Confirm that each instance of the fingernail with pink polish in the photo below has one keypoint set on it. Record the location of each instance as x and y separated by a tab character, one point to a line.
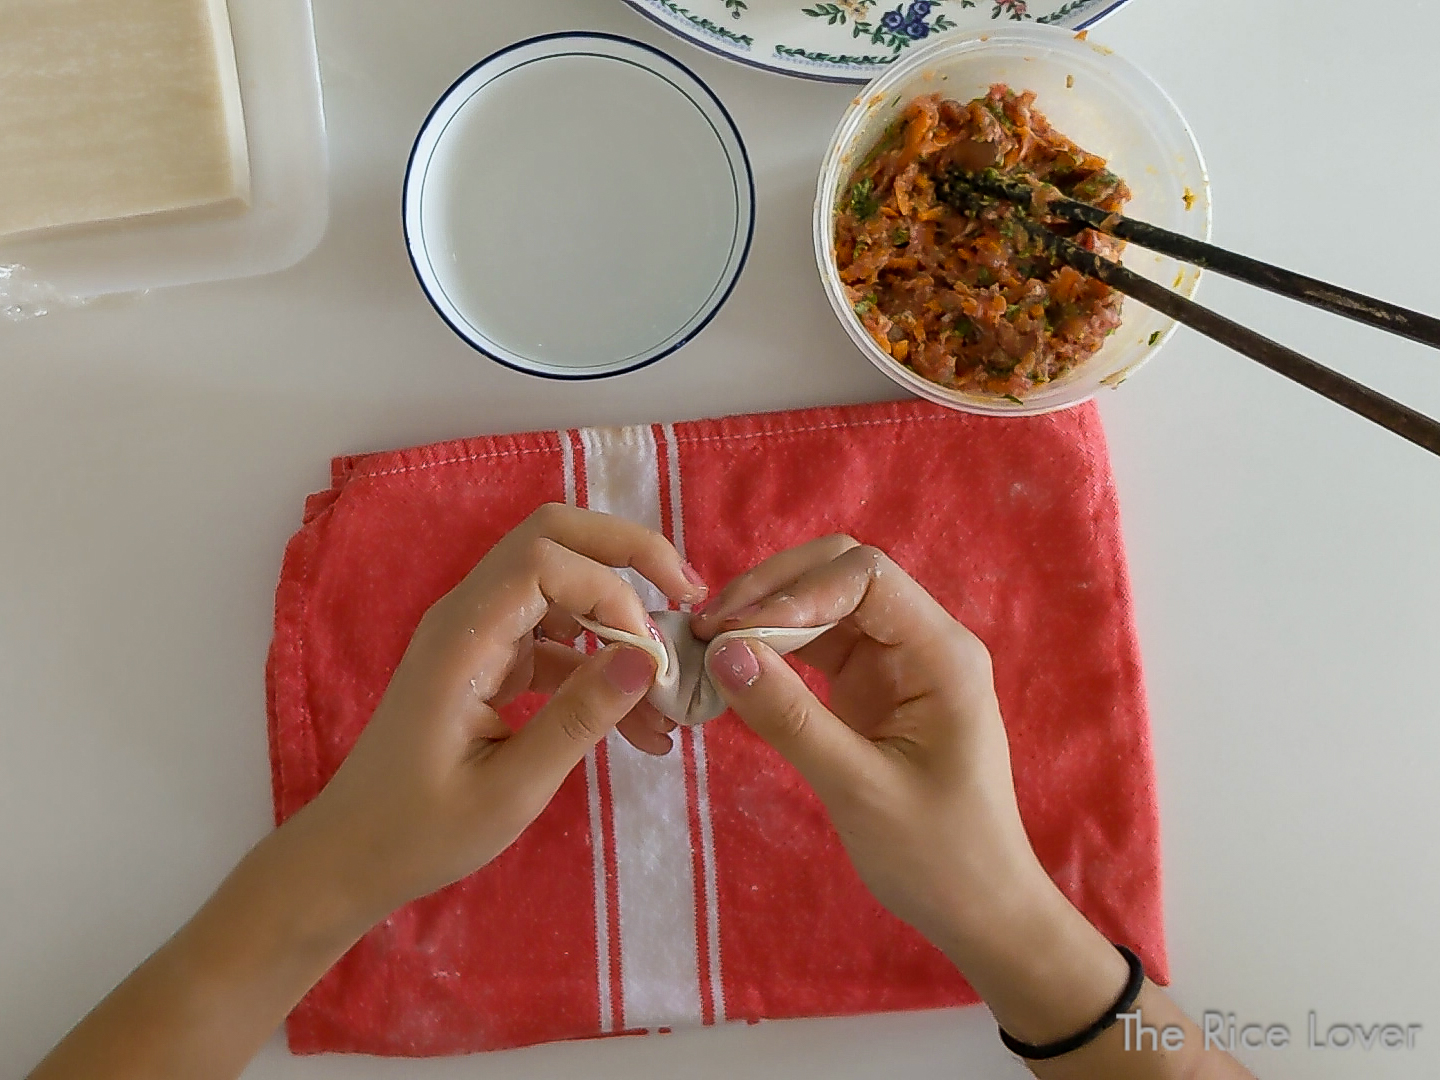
630	670
693	576
735	666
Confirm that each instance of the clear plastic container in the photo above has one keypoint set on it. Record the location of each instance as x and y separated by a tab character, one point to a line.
289	176
1102	102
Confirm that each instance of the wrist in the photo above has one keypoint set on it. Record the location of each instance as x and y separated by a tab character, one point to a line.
1016	897
319	909
1040	966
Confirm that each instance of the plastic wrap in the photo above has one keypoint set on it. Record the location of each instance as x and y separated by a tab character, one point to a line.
24	296
46	272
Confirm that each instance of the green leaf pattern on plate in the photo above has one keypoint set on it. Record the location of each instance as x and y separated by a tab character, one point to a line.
701	22
1063	10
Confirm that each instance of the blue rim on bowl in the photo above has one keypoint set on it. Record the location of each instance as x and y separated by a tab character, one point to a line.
636	249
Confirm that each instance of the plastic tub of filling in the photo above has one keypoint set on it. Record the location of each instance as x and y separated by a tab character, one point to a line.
1096	98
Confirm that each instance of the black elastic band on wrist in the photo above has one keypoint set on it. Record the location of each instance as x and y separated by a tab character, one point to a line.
1090	1034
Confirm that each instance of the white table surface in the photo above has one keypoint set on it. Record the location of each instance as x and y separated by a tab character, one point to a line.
1284	553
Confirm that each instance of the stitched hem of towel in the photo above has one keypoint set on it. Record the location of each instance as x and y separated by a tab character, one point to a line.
350	468
285	674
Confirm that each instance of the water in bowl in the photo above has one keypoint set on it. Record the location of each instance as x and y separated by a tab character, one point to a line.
546	229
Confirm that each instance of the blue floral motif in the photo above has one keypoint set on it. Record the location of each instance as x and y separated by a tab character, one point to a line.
896	29
912	23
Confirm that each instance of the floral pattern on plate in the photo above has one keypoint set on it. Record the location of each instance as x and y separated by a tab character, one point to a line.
845	40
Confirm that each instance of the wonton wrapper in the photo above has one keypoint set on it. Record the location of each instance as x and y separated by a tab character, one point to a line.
683	690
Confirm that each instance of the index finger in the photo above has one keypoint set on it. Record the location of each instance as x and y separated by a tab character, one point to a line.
770	576
560	558
865	591
557	551
616	542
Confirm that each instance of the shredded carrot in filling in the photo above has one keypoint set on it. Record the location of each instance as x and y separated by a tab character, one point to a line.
960	297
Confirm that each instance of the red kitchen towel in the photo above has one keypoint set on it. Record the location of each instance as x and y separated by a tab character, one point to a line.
708	886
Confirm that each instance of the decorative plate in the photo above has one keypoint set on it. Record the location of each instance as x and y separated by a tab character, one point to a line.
846	40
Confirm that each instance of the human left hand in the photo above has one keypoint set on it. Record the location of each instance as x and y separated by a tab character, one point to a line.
438	784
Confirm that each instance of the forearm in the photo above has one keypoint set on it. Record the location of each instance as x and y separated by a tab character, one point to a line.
1046	974
206	1001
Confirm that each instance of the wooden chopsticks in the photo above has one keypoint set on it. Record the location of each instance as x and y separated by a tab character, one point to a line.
1352	305
973	191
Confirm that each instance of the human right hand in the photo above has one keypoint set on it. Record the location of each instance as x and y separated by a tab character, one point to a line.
912	763
911	758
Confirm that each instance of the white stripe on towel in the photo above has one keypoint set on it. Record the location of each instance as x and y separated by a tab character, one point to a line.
658	962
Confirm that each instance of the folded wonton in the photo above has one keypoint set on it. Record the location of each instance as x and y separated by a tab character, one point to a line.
683	690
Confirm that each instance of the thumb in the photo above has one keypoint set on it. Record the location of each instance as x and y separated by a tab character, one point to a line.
589	703
775	703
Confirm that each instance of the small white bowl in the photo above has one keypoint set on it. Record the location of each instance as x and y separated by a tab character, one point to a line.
1107	106
578	205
